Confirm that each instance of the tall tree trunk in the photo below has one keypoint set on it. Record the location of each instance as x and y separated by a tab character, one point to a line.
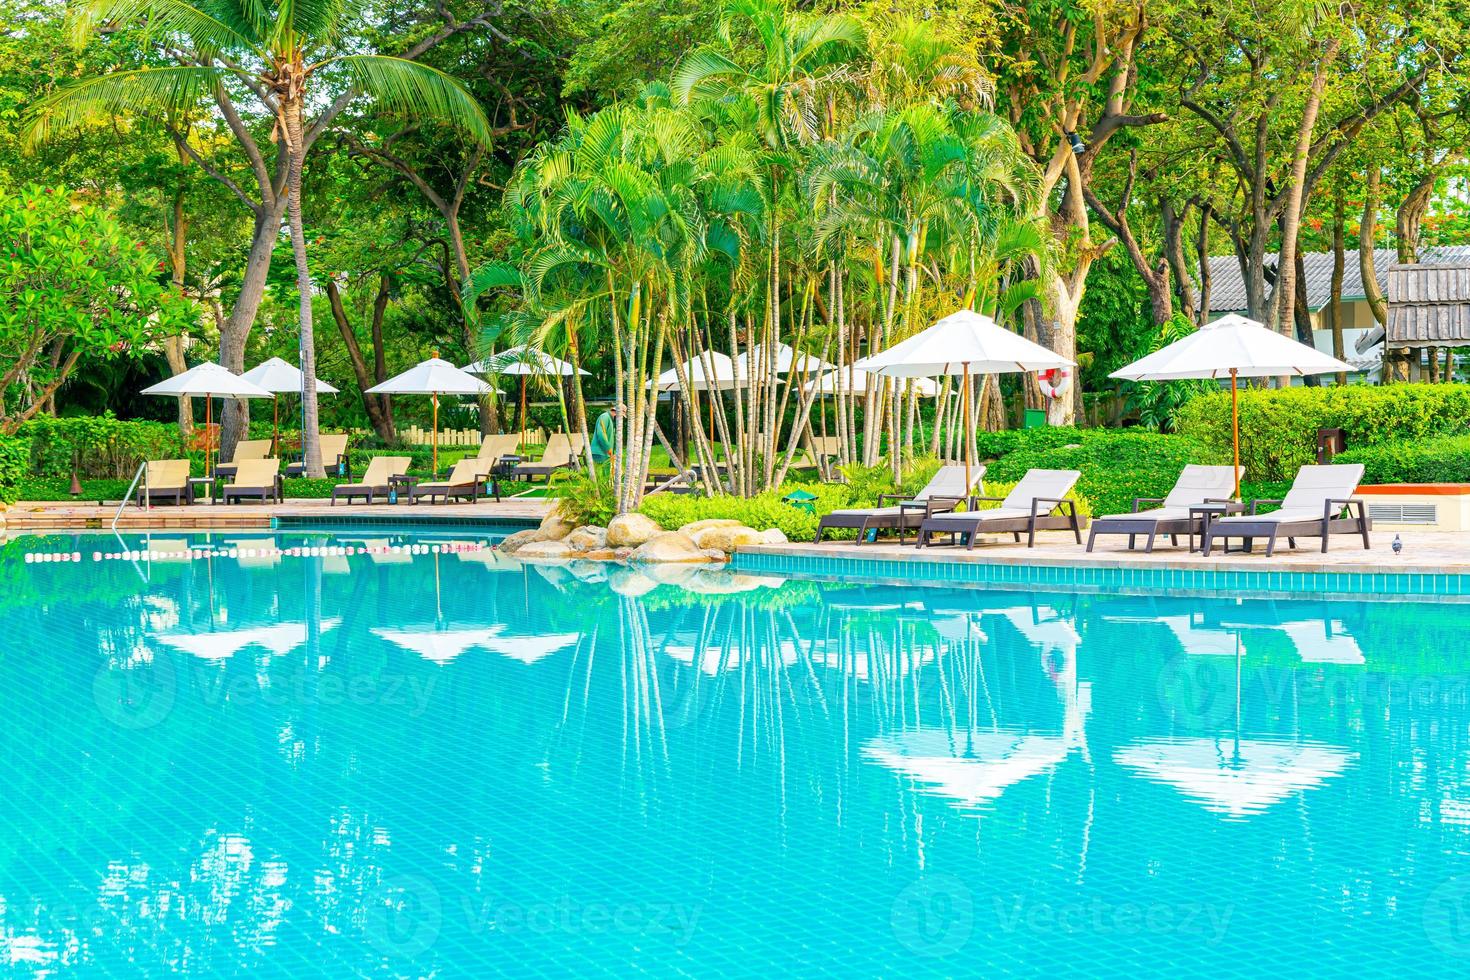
310	434
1303	314
1202	257
1286	265
236	330
1410	215
1372	292
173	347
381	423
1173	226
1339	264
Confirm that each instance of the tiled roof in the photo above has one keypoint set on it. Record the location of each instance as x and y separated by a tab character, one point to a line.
1429	305
1227	289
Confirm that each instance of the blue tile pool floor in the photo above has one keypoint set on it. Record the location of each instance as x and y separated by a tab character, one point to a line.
443	763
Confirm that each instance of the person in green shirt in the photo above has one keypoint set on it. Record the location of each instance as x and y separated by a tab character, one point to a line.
604	434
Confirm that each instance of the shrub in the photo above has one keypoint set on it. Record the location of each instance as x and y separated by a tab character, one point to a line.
763	511
303	488
59	488
15	461
1116	466
1278	427
98	446
584	500
1443	460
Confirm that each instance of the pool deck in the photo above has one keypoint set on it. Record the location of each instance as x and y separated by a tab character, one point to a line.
45	516
1424	553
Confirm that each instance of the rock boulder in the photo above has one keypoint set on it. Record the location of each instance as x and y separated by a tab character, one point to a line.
588	538
631	530
669	546
725	538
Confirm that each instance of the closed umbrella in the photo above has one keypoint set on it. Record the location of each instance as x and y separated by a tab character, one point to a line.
524	361
963	343
208	381
433	377
1235	347
278	376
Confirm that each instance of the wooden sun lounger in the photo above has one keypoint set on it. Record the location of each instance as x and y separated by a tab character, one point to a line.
1196	486
944	492
255	479
376	482
1029	507
464	481
1319	504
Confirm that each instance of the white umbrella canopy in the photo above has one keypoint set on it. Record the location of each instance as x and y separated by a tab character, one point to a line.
1231	347
207	381
965	342
787	358
706	371
278	376
524	360
433	377
856	381
282	377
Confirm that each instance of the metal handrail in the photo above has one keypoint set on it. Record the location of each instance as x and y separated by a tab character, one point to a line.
142	474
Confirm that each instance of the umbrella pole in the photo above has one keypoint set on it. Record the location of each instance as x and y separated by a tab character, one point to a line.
1235	428
208	431
276	425
523	410
434	437
965	424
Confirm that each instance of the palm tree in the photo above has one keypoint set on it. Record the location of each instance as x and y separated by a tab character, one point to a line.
283	56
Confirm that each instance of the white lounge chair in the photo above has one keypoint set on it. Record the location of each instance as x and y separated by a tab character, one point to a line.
1196	486
376	481
945	490
1319	504
1028	507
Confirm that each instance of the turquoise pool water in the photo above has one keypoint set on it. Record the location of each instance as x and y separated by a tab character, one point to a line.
422	763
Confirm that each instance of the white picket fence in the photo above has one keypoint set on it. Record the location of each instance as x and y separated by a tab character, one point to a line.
417	436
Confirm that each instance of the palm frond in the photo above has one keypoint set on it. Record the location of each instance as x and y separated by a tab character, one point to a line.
147	93
205	32
417	91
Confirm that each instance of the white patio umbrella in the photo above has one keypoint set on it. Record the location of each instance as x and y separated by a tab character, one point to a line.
440	646
525	361
433	377
280	377
963	343
1234	347
788	359
707	371
208	381
856	381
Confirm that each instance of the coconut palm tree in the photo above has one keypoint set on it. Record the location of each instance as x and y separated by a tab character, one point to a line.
268	60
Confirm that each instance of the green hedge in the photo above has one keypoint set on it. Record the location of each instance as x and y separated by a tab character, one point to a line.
100	446
1442	460
15	462
766	510
1116	466
1278	427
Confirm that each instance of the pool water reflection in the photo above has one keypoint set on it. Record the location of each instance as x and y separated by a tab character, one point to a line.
449	763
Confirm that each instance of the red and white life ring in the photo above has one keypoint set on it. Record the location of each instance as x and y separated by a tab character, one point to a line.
1055	382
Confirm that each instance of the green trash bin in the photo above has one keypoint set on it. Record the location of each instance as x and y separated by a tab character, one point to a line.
1034	418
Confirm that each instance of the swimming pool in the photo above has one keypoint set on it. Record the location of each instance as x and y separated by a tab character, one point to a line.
436	761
